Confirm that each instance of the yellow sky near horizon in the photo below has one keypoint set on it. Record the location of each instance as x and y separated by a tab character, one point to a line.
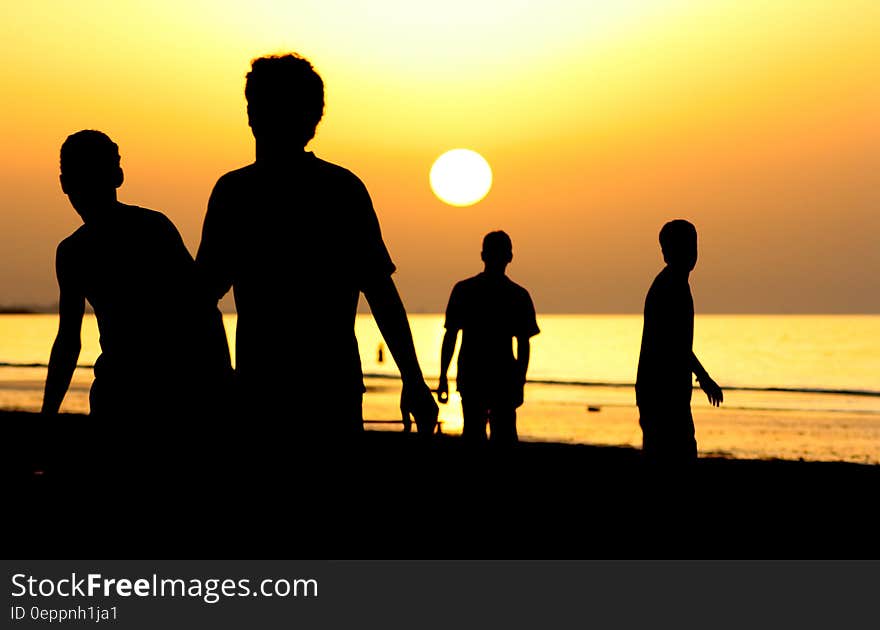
757	120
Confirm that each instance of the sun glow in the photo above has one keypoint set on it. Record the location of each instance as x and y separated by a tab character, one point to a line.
461	177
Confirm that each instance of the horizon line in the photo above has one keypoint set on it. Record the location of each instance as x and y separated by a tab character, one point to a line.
26	309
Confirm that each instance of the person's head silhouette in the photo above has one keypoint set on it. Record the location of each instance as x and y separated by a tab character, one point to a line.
497	251
90	171
678	241
285	100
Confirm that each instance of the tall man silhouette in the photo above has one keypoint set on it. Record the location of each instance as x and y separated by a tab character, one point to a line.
163	351
297	240
491	311
667	360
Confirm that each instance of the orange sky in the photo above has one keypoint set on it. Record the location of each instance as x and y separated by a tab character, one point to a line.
756	120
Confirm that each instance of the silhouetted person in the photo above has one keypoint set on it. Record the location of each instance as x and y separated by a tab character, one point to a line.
163	351
491	311
297	240
666	362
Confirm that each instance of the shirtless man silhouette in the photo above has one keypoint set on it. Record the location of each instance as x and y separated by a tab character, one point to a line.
163	351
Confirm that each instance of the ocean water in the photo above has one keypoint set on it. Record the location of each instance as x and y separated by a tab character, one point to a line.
796	386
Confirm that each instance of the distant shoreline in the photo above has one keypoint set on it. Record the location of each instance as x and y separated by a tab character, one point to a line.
14	309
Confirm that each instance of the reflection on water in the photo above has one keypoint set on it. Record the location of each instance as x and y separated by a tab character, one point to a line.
730	431
760	352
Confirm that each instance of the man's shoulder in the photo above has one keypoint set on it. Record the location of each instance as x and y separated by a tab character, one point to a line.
147	217
480	280
465	292
337	174
331	168
468	283
668	280
144	213
518	290
315	168
668	291
74	243
236	177
661	283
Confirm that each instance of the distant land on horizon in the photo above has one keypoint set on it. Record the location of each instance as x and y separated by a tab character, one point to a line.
52	309
19	309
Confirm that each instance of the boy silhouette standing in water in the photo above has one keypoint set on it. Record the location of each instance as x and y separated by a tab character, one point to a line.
491	311
667	360
297	240
163	351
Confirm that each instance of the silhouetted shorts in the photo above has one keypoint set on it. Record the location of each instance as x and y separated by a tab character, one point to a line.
113	399
500	416
155	396
308	416
668	434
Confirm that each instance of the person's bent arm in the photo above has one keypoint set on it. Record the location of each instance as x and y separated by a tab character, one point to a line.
712	389
65	350
447	349
390	316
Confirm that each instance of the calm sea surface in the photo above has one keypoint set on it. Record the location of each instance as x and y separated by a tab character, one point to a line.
795	386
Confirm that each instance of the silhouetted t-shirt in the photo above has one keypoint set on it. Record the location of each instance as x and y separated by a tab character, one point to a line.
161	341
297	242
666	357
490	311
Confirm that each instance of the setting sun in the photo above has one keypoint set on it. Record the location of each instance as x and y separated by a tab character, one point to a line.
461	177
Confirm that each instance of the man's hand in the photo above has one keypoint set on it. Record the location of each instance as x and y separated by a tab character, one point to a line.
418	401
443	390
713	391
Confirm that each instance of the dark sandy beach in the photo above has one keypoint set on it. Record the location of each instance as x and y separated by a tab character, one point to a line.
109	493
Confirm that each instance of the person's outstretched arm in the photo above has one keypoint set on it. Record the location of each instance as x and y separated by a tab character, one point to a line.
65	350
713	391
390	315
447	349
